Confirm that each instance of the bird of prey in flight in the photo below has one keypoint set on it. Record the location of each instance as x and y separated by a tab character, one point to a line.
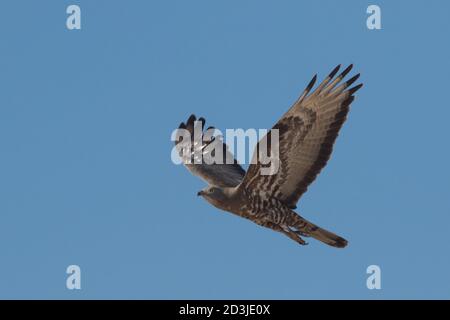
307	132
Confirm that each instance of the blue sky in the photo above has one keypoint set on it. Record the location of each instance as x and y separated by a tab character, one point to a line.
85	170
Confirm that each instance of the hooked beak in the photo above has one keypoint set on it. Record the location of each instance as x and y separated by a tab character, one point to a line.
200	193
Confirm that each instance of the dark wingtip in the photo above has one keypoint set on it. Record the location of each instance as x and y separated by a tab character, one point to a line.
351	80
201	122
346	71
182	126
191	119
311	83
355	88
335	70
190	122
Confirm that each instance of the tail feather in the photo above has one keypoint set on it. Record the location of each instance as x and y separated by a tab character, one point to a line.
329	238
308	229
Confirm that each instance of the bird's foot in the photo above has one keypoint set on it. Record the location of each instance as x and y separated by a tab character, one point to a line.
296	237
302	242
301	233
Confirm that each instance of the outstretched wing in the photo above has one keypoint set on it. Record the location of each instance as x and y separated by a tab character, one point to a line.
203	144
307	133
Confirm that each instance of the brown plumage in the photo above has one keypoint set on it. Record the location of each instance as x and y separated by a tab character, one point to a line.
307	132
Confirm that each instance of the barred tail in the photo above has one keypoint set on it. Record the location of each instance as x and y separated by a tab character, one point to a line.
308	229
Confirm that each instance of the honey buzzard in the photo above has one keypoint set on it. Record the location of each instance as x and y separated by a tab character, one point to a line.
307	132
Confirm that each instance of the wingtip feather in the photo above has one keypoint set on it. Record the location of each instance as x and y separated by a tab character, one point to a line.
355	88
334	71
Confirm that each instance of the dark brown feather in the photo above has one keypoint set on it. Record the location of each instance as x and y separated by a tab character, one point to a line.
307	134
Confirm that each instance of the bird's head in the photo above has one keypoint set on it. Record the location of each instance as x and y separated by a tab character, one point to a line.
215	195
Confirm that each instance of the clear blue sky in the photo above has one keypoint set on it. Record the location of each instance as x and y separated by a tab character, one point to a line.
85	170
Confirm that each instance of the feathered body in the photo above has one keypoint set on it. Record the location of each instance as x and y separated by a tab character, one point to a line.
307	133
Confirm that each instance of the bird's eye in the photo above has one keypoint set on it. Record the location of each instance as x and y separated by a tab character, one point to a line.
211	190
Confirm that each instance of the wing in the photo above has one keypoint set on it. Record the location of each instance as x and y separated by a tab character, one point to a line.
307	133
202	144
